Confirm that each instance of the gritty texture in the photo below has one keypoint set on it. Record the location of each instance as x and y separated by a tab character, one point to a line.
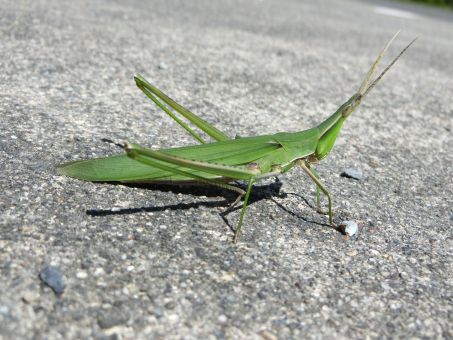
147	262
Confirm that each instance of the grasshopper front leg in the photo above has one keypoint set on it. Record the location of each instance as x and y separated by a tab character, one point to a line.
306	167
318	191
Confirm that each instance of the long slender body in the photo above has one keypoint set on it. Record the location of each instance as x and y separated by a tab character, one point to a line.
280	149
225	160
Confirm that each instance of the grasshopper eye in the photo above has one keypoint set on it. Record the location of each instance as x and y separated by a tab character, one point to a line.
348	109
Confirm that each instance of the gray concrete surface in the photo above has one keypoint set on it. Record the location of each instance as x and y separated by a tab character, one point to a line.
161	264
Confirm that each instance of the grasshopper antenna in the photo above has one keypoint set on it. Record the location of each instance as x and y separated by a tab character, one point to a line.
388	67
370	73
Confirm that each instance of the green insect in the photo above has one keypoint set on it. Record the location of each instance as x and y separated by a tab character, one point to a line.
225	160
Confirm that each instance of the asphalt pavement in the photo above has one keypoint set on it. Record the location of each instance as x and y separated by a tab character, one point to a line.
102	261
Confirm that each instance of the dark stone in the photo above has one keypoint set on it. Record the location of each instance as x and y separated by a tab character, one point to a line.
170	305
53	278
352	173
201	253
112	317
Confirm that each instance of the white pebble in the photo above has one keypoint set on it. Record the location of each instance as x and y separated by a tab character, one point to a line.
173	318
350	227
162	66
98	271
82	275
222	318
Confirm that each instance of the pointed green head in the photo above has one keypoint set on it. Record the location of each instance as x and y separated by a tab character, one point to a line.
330	128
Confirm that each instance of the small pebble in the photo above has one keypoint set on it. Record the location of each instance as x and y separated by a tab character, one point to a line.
173	318
158	312
222	318
352	253
110	318
162	66
266	335
352	173
4	310
98	271
81	275
349	227
30	296
51	276
170	305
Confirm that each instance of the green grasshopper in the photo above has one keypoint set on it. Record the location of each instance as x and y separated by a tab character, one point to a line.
225	160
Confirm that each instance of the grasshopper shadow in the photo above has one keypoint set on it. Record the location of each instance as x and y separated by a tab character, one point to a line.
260	192
259	196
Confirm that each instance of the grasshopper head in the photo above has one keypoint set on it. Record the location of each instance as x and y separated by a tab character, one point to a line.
350	106
330	128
